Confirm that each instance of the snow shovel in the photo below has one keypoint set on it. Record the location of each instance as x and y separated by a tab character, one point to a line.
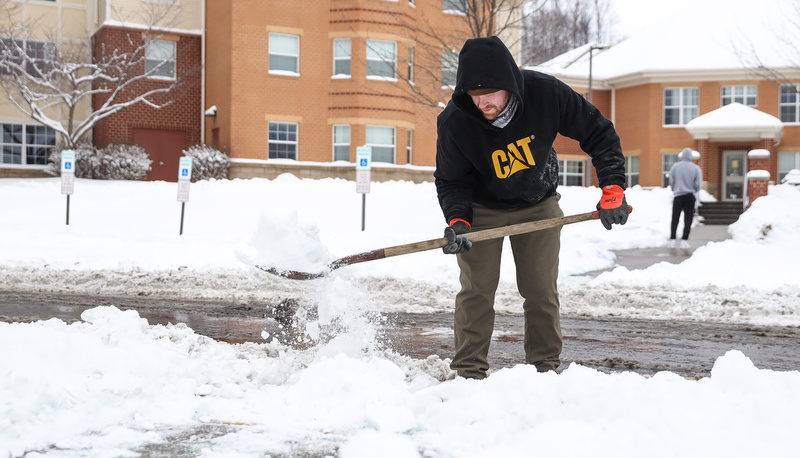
477	236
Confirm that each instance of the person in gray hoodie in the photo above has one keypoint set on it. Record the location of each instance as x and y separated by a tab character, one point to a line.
685	179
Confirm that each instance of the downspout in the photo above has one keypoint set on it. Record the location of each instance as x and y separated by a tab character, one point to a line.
614	105
203	73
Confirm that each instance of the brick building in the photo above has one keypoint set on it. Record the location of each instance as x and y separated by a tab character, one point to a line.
286	86
115	25
311	81
698	88
163	132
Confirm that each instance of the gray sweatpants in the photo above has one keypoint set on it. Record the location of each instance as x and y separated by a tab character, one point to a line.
536	260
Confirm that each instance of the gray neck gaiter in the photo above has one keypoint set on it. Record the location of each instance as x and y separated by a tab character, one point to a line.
508	112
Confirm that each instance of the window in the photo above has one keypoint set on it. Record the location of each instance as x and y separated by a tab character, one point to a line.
410	64
282	140
39	54
9	54
449	68
631	171
680	105
570	172
746	95
786	162
32	148
341	142
381	139
454	6
789	106
667	161
284	53
341	57
381	59
160	58
409	146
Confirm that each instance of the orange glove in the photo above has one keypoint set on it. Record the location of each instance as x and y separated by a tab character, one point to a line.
612	206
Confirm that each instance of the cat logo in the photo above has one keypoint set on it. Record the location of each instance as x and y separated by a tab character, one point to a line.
507	163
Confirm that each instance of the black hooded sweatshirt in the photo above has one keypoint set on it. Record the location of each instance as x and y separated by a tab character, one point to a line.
514	166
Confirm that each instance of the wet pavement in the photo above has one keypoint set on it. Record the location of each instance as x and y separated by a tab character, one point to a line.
606	344
641	258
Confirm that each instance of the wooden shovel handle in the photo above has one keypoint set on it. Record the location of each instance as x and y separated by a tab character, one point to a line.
477	236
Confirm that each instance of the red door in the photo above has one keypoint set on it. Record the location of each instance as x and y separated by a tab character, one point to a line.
165	148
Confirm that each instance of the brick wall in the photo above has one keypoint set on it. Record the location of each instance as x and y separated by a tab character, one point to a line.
248	96
185	112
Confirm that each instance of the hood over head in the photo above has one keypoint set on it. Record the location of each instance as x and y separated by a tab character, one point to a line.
485	63
686	154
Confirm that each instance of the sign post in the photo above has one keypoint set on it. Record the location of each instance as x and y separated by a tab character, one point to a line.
184	179
67	175
363	167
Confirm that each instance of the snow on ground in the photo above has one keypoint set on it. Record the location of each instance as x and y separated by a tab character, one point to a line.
112	383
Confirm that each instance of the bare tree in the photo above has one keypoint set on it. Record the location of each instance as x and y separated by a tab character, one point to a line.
54	81
436	46
786	37
562	25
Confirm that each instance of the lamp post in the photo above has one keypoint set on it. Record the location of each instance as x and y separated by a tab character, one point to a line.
591	51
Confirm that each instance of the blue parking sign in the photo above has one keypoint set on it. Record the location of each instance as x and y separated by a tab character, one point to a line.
67	161
363	158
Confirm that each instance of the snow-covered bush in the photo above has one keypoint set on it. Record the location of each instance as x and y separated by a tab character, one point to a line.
208	162
123	162
87	161
114	162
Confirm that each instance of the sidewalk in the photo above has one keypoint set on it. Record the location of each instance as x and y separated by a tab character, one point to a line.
641	258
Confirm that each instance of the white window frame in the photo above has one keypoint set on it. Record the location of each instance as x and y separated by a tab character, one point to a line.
409	146
746	94
686	111
340	54
453	6
449	69
787	161
564	172
631	175
667	161
27	144
373	142
410	73
337	140
274	39
789	103
378	56
279	141
160	59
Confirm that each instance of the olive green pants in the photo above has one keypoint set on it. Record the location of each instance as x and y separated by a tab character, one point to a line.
536	260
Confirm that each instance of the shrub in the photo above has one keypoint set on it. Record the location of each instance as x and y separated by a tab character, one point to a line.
87	161
123	162
208	162
114	162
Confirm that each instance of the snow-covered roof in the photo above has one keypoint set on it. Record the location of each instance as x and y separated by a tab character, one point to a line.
736	122
712	39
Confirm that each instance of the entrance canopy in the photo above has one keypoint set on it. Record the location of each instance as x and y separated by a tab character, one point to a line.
736	122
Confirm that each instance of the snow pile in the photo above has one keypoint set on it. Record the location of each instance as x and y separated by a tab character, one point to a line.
114	386
123	239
